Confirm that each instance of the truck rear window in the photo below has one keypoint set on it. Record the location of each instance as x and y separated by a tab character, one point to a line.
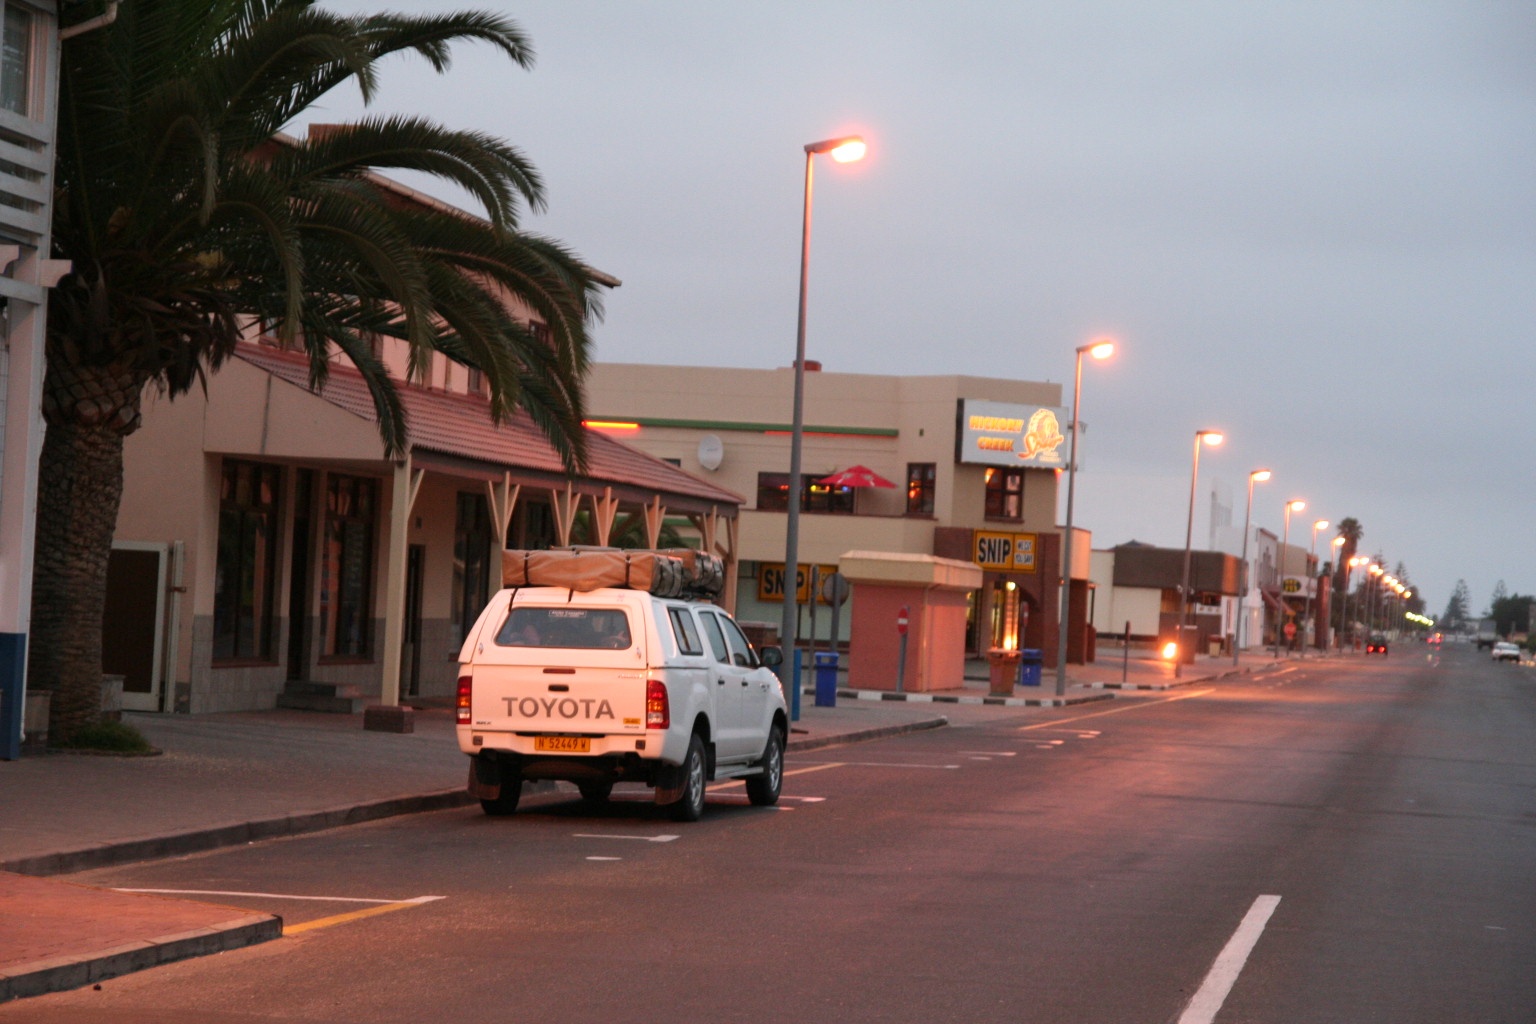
578	628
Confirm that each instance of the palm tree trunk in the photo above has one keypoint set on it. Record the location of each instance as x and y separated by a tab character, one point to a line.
80	485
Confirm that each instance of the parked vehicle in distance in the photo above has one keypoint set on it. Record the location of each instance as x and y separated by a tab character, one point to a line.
612	684
1377	644
1505	651
1434	639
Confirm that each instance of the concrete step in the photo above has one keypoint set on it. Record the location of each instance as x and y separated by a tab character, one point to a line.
331	698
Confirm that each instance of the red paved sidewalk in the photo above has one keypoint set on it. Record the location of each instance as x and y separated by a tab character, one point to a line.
46	923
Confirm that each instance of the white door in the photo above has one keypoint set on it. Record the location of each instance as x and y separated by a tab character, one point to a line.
133	628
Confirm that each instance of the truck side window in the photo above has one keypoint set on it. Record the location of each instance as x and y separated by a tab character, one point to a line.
716	637
684	630
741	647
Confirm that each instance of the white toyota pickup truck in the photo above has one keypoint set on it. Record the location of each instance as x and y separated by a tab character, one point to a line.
612	685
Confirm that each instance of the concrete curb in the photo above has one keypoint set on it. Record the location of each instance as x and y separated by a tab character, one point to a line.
198	840
953	698
62	973
877	733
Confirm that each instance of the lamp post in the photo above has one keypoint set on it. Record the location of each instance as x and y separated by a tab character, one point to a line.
1258	476
1212	438
1375	572
1338	549
1306	615
1294	505
1103	348
1358	560
843	150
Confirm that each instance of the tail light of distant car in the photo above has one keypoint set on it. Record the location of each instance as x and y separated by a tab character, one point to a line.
658	711
462	699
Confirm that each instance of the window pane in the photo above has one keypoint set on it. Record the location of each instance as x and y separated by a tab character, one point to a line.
246	573
567	628
16	61
716	637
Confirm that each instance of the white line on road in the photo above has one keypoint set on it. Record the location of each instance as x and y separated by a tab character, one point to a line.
605	858
1223	973
892	764
640	839
274	895
992	753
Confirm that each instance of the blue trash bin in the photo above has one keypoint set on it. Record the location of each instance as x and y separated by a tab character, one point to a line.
826	679
1031	661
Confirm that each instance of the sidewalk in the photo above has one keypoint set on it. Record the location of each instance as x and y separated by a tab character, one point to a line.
228	779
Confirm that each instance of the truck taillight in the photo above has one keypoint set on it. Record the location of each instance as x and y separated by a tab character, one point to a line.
658	713
462	700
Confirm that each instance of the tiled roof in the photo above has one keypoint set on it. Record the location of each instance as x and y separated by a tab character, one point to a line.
460	425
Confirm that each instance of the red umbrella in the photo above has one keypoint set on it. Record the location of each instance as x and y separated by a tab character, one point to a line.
856	476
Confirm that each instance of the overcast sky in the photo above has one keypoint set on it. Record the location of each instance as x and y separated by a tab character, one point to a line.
1311	225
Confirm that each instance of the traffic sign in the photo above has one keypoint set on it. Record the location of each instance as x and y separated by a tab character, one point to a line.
901	620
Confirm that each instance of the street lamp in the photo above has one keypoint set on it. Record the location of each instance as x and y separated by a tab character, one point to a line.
1294	505
1338	549
1212	438
1258	476
1370	598
1306	616
1103	348
1357	561
843	150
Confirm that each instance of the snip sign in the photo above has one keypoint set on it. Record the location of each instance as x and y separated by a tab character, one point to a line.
1003	552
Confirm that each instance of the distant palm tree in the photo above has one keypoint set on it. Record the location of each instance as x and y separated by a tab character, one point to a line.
1351	530
185	221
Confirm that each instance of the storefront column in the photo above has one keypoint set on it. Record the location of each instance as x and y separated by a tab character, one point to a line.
403	495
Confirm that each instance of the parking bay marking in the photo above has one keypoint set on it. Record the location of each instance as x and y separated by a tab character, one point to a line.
1202	1009
1057	723
611	835
379	907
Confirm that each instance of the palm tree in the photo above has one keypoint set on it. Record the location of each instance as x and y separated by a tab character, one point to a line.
1351	530
184	220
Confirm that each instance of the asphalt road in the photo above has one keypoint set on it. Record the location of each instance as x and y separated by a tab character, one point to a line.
1344	841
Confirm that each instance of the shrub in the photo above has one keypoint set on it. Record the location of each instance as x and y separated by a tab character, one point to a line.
106	737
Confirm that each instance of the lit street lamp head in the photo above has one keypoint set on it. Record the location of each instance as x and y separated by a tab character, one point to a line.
1260	475
1103	348
1211	437
1321	524
1295	505
844	150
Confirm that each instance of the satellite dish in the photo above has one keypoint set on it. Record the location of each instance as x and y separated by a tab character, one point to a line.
711	452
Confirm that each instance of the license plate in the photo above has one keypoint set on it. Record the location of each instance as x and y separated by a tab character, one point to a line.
563	744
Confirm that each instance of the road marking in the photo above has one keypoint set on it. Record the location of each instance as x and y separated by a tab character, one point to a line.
893	764
991	753
272	895
638	839
605	858
1114	711
1229	964
815	767
356	915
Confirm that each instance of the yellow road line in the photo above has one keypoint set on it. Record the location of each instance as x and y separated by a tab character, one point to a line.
1100	714
355	915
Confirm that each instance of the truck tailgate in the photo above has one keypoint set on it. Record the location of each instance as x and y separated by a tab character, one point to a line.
577	699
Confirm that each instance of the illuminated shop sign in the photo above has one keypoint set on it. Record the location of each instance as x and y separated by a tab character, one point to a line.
1003	552
770	582
1004	434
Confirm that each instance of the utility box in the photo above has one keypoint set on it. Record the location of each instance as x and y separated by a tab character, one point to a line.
934	592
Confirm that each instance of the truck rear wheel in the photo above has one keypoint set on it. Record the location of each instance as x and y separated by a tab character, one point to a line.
506	803
763	790
691	806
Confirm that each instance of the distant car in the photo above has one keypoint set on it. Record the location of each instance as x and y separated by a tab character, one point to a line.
1434	639
1505	651
1376	645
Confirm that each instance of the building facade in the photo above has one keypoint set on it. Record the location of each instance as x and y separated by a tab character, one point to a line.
969	467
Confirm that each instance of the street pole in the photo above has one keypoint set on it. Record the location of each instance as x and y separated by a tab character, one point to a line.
1100	349
1211	437
1306	616
1257	476
789	623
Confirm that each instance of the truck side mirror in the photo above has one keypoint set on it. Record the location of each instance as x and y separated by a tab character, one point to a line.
771	656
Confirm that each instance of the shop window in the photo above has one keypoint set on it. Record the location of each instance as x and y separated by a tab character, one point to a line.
346	567
246	570
920	478
1005	494
472	542
773	495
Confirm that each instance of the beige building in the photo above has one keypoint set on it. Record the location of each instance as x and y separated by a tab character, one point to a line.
974	462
